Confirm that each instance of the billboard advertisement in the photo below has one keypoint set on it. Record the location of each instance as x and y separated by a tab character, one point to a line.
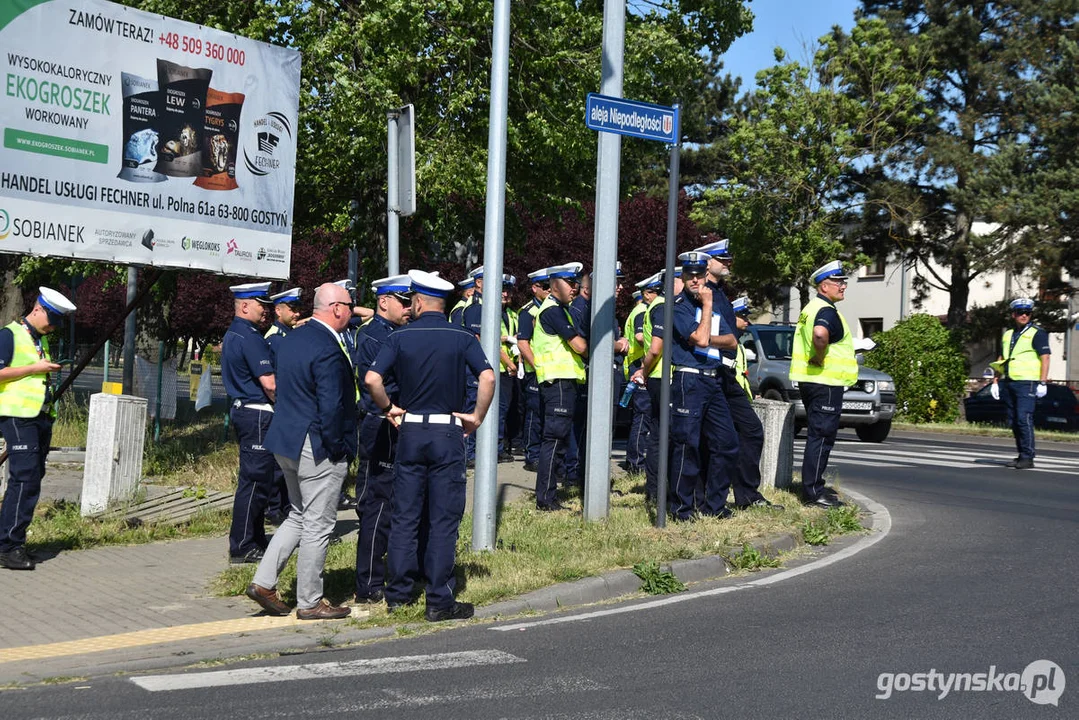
134	138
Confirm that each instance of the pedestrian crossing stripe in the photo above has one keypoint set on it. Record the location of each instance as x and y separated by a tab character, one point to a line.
904	455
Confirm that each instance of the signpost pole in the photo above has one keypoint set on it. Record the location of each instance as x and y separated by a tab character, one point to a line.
485	486
604	256
392	249
668	321
130	330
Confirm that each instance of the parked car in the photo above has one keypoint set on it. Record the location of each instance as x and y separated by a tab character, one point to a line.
868	405
1058	410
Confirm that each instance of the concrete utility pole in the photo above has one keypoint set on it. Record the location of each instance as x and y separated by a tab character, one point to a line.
393	251
604	257
484	506
130	330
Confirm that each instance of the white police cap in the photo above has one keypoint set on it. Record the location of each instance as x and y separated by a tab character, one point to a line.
618	269
54	304
288	296
425	283
719	250
468	282
636	294
1021	304
538	276
393	285
833	270
476	272
694	260
569	270
346	284
740	305
252	291
509	279
654	282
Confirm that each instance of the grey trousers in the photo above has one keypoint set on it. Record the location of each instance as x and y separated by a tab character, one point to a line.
314	490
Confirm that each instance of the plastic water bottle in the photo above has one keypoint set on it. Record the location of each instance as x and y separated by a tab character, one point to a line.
627	394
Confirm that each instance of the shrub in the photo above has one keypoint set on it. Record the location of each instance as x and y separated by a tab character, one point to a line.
928	366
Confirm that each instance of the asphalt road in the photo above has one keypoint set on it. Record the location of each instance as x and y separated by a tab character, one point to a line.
978	574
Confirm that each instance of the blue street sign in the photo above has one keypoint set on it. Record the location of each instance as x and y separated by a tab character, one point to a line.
630	117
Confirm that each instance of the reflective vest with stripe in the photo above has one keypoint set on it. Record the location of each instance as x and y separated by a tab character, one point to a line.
24	397
508	330
740	367
555	360
1021	361
532	309
636	349
840	367
647	332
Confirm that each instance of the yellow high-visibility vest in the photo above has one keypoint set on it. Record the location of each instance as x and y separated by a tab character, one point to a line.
840	367
532	309
1022	362
740	366
636	349
555	359
24	397
507	330
657	371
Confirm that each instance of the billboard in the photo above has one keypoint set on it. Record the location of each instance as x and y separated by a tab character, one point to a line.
134	138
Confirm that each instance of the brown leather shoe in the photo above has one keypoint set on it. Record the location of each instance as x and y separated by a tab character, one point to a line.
268	599
323	611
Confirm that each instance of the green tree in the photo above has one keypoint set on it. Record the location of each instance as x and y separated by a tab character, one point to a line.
972	155
783	198
928	366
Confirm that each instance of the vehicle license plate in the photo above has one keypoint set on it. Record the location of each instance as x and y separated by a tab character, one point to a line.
857	406
1057	419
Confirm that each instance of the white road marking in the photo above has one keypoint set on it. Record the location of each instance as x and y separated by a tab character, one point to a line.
882	525
376	666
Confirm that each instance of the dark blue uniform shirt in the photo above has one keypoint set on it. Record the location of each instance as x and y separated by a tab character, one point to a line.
721	305
828	318
245	357
581	311
429	357
472	317
555	321
7	347
686	320
274	341
1040	341
525	323
368	344
655	313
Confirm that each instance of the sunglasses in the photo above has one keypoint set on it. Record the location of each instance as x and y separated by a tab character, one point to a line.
349	305
839	283
1017	313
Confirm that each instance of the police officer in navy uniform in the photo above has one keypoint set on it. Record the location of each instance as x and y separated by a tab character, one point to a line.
650	371
247	371
509	357
1024	367
467	287
430	358
471	320
287	313
559	350
378	436
26	417
823	363
526	317
640	426
746	475
580	309
700	414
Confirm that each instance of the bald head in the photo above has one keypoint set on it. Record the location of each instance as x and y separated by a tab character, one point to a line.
333	306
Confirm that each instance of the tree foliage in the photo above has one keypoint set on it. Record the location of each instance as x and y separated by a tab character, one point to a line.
928	366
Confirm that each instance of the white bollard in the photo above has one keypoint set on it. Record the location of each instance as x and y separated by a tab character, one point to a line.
114	443
777	457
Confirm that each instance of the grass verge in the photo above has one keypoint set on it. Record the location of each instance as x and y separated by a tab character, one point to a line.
982	430
539	549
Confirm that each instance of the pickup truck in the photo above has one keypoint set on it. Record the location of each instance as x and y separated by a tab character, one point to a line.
868	405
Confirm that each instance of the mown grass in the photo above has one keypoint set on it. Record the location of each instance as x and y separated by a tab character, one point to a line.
539	549
961	427
58	526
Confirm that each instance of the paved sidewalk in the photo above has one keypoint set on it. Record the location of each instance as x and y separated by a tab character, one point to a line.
82	610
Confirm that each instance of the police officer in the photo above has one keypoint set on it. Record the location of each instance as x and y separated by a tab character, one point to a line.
580	310
430	358
1024	367
741	309
824	364
287	311
533	420
471	320
467	288
378	437
641	423
248	374
650	371
700	413
746	475
509	356
26	417
559	351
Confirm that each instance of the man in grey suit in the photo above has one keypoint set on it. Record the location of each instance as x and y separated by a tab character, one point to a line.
313	438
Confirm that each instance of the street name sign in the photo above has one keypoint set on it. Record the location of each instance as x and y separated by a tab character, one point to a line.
631	117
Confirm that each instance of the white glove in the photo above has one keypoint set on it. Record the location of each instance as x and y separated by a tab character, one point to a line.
994	390
1042	389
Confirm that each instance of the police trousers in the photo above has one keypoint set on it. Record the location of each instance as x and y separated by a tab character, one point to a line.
27	441
254	482
823	404
559	404
1019	399
374	501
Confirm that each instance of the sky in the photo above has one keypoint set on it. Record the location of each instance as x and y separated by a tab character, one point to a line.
790	24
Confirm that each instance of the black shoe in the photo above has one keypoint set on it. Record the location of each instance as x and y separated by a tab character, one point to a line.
505	457
457	611
1012	463
1024	463
276	519
824	502
762	503
396	607
17	559
553	507
531	467
251	556
724	513
471	464
374	598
